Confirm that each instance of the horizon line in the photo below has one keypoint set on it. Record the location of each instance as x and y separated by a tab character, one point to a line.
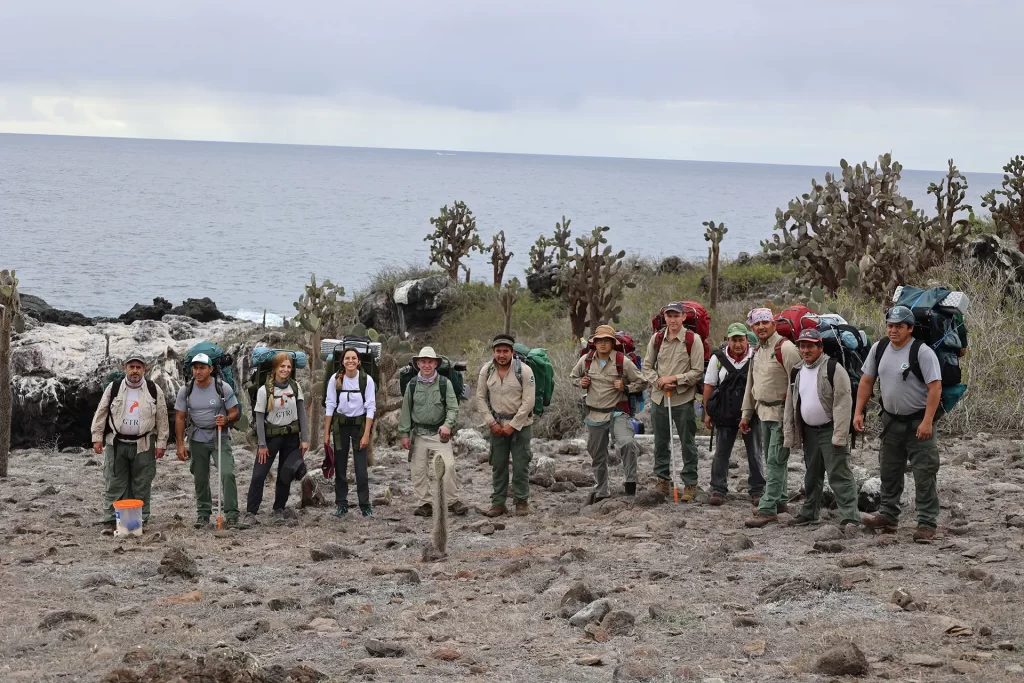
458	151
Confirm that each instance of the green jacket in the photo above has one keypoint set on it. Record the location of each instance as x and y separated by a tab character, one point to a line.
427	413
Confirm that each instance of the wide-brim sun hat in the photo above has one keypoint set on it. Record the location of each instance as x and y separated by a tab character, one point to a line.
605	332
427	352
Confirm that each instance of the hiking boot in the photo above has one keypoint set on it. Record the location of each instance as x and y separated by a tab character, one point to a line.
595	497
108	528
877	521
277	517
716	499
341	510
689	493
522	508
923	534
425	510
664	486
630	488
202	522
308	488
458	508
759	520
366	510
800	520
250	518
781	509
755	498
495	511
235	523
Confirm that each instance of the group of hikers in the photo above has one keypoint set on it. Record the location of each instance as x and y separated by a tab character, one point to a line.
776	395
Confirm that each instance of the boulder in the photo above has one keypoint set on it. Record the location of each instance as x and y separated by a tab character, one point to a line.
419	303
204	310
542	282
1001	255
845	659
35	307
673	265
157	311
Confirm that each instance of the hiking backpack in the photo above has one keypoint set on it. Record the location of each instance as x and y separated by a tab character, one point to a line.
543	374
447	371
695	321
726	403
369	362
795	319
624	347
221	363
116	378
939	316
262	375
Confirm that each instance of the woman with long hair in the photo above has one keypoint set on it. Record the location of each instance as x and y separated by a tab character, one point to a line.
351	405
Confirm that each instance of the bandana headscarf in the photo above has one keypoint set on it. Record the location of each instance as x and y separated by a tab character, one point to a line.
759	315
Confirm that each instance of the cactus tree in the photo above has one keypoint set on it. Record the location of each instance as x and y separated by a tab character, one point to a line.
592	282
714	234
10	312
507	298
318	310
499	257
454	237
1008	215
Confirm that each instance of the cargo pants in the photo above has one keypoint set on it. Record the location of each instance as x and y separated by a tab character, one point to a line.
203	456
127	474
517	448
900	445
621	430
684	419
776	490
820	456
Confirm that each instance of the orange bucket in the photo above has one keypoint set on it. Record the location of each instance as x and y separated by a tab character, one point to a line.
129	517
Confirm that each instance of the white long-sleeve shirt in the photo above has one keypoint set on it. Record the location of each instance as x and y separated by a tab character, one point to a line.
349	401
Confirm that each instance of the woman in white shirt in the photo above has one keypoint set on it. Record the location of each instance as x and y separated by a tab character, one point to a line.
351	405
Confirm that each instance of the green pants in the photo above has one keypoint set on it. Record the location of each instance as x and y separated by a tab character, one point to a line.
516	447
776	458
684	419
199	465
820	456
900	445
127	474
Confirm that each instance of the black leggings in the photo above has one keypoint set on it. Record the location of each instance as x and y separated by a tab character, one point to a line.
290	466
350	435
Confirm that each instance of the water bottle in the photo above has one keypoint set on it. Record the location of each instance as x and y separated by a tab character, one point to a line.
698	408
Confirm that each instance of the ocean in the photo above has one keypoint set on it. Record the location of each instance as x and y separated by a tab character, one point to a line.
98	224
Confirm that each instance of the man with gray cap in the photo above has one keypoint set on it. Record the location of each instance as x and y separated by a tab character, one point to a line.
911	388
430	410
130	430
819	407
204	406
506	390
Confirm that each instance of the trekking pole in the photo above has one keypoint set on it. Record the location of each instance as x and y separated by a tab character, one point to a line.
671	446
220	486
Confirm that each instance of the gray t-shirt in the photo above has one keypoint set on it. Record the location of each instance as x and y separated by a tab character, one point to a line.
204	406
898	396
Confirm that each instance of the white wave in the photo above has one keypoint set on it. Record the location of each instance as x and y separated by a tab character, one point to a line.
273	319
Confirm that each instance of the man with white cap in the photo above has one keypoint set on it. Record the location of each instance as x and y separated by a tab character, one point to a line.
911	388
765	395
130	430
430	410
506	388
607	376
673	375
203	406
819	407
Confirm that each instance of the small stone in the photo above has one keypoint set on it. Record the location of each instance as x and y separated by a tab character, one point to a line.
738	543
902	597
744	621
1006	645
177	562
575	599
850	561
98	580
985	631
845	659
1014	669
252	630
828	546
916	659
51	620
562	487
127	611
597	632
330	551
514	567
828	532
589	661
619	623
406	575
649	499
595	611
993	558
975	550
138	654
486	529
1003	487
446	654
964	667
755	648
657	575
287	603
438	615
637	671
380	648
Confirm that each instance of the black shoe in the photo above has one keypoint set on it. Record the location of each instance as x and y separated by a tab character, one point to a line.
425	510
366	510
235	523
630	488
202	522
341	511
108	528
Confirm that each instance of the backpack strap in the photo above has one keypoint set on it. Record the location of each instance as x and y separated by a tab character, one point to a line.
915	358
659	338
588	360
619	361
725	362
778	352
830	372
793	373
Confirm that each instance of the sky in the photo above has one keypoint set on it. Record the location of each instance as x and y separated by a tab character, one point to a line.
771	81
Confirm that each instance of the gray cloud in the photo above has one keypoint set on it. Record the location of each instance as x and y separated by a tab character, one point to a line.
498	57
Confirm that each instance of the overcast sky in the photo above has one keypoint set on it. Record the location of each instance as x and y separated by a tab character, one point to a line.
773	81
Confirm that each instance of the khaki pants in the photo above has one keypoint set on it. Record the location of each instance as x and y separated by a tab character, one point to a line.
621	429
424	448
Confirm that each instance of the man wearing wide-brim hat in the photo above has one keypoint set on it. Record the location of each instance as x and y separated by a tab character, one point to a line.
608	376
430	410
130	430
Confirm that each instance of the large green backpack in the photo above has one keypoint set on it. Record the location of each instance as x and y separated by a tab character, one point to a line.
543	374
221	363
446	368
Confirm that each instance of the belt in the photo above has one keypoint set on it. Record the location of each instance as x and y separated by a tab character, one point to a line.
919	415
772	404
603	410
281	430
827	425
502	416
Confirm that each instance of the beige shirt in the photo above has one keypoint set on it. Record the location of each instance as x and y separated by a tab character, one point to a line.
152	415
674	361
767	381
506	396
602	392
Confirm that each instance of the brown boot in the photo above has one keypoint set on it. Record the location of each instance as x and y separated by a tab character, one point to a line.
923	533
689	493
716	499
663	486
781	509
458	508
495	511
800	520
522	508
760	519
425	510
877	521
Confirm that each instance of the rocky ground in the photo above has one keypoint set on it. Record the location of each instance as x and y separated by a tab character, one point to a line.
619	591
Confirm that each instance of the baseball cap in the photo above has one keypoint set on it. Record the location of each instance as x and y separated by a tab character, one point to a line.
202	359
136	356
736	330
900	314
503	340
674	306
809	335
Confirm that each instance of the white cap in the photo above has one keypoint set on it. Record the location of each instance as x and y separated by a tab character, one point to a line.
202	358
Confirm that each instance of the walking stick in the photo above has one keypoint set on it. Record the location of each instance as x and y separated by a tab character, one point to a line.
220	486
671	447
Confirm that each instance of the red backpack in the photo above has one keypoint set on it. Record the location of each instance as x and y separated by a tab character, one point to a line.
795	319
695	319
